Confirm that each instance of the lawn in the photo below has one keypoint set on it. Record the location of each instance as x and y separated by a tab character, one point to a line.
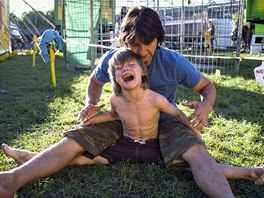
33	116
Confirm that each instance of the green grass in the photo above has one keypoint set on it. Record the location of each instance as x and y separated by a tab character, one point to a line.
33	116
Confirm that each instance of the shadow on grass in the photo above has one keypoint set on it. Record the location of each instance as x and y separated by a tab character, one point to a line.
232	103
240	104
246	69
27	92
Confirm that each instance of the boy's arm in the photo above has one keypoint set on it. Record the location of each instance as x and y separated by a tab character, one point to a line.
93	93
105	117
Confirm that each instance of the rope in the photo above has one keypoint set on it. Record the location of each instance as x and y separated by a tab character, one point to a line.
88	44
194	56
221	57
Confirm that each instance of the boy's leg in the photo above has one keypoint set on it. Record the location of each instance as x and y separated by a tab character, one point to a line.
83	160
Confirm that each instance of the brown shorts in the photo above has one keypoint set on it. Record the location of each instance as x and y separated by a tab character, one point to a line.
127	149
174	138
96	138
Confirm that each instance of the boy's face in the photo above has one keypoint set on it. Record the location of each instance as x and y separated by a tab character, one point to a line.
146	51
129	75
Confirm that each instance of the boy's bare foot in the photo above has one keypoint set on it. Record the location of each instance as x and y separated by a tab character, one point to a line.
260	178
20	156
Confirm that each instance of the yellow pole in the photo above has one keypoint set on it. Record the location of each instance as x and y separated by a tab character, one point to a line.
52	66
34	49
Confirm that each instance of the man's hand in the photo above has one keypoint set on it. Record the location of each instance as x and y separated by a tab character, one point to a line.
200	115
89	111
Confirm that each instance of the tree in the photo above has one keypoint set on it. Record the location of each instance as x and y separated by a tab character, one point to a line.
32	23
33	20
211	2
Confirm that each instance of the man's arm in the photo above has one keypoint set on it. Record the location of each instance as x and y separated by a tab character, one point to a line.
207	91
93	93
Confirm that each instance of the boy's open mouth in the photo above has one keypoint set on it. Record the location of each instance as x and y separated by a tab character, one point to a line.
128	77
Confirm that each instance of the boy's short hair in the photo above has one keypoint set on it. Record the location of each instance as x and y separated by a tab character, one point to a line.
119	58
142	21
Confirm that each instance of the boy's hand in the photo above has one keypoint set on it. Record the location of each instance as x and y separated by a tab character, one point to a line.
85	123
196	132
89	111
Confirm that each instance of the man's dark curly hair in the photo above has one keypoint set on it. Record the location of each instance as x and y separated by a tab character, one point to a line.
143	22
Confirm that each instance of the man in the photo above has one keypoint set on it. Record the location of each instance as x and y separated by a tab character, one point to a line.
138	108
142	31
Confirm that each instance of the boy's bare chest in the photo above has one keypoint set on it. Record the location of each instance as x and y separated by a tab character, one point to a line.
140	113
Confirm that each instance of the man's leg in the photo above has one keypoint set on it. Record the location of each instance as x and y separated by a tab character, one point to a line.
22	156
103	134
207	173
234	172
231	172
50	161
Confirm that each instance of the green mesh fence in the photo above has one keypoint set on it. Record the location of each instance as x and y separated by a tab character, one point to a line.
77	28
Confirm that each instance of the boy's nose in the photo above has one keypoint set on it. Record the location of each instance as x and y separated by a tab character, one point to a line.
125	68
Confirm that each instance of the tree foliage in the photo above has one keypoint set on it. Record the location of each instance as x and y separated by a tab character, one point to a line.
32	22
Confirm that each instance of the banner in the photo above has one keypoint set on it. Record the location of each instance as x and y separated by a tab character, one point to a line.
259	74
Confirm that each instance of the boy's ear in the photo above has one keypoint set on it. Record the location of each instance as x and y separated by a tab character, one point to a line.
143	72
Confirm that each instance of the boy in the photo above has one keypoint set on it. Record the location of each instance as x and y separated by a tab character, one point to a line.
137	107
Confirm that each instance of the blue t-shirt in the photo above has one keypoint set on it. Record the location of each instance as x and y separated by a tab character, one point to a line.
166	71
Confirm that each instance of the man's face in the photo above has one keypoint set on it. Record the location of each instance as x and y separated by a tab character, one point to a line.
146	51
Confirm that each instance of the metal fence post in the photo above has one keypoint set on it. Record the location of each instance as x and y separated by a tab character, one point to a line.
239	34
